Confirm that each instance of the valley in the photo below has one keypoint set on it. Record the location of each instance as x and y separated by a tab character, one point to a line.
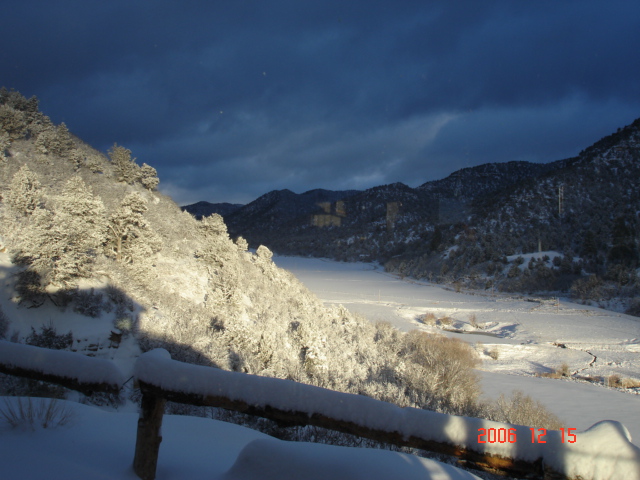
527	336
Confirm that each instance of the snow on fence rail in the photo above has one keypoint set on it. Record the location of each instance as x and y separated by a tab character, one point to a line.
69	369
602	452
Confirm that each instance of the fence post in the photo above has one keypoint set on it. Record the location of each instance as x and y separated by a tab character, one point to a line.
148	439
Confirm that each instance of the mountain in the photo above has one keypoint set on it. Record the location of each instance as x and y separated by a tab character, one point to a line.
465	226
280	211
205	209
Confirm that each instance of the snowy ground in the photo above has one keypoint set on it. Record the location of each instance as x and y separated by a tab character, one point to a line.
99	445
528	336
520	332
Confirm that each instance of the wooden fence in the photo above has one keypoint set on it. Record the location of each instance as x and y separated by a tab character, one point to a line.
162	379
68	369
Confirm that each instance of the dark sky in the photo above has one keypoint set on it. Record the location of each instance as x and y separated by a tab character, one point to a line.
232	99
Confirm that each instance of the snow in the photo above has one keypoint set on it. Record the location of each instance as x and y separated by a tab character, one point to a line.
597	453
276	460
62	363
522	329
605	446
100	445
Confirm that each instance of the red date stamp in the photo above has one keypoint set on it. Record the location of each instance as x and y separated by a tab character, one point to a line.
509	435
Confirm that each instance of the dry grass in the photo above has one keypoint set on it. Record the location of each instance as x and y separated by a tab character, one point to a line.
429	318
560	372
473	320
521	409
32	413
614	381
630	383
494	353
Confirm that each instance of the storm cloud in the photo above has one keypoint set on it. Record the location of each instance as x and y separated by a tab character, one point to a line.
231	99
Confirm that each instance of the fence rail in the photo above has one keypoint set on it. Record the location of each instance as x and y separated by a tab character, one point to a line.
162	379
68	369
290	403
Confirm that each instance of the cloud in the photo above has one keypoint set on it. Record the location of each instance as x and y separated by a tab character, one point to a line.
232	99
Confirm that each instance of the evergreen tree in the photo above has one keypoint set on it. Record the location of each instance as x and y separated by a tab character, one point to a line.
5	143
54	140
129	238
25	192
149	177
125	167
12	122
61	244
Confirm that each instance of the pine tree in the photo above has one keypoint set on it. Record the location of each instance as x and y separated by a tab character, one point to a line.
129	238
149	177
54	140
61	244
5	143
13	122
125	167
25	192
220	257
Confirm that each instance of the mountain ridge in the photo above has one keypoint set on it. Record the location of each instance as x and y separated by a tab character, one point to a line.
465	224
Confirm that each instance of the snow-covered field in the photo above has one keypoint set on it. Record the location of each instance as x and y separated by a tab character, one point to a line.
528	336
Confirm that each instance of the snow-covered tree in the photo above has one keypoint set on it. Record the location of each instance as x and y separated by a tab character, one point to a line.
242	244
125	167
12	121
218	247
61	244
221	258
55	140
5	142
149	177
25	192
130	239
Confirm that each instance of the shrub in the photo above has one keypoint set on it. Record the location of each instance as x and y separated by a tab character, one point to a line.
124	324
634	308
590	288
614	381
440	372
521	409
29	288
48	337
5	142
88	303
563	370
32	413
494	353
429	318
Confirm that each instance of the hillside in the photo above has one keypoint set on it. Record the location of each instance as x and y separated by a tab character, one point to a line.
89	234
462	228
95	260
